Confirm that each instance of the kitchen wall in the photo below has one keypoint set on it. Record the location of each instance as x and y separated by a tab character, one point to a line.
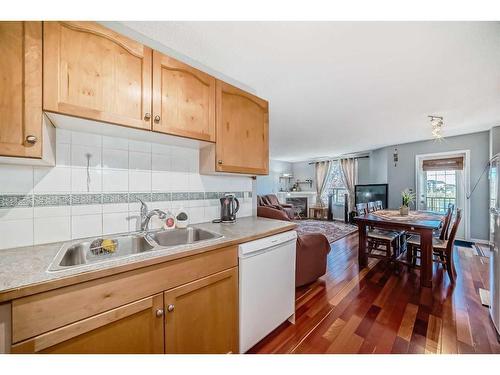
402	176
83	197
271	184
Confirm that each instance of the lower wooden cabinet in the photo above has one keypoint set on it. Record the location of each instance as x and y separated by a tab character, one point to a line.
202	316
197	317
133	328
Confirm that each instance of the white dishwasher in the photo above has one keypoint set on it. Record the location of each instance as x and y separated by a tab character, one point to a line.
266	286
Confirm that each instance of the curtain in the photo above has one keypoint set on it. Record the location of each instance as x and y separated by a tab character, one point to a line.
349	177
322	168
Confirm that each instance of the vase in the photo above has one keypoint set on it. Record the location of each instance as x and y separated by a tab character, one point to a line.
404	210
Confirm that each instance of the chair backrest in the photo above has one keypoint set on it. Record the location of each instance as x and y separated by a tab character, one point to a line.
260	201
361	209
379	205
454	229
452	207
446	225
371	207
272	199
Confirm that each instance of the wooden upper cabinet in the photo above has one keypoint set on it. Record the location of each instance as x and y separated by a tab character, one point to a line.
242	131
202	316
21	89
135	328
95	73
183	99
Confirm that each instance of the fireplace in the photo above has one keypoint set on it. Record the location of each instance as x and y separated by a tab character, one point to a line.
299	206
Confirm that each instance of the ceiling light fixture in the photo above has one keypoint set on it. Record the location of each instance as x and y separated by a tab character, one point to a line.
437	127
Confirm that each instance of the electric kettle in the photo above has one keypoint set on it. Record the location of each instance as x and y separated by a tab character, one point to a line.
229	206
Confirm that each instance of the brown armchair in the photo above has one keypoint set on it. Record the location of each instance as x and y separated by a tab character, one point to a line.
311	253
271	200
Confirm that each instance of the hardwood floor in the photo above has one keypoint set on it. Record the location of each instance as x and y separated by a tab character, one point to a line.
376	310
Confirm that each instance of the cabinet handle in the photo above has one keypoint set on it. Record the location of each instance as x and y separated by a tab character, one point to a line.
159	313
147	116
219	162
170	308
157	118
31	139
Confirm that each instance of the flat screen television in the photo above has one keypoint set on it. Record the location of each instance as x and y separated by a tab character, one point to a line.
371	193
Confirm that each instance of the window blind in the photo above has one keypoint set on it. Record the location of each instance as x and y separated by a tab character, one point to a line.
446	164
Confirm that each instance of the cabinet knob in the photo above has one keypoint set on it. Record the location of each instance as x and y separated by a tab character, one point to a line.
219	161
147	116
159	313
31	139
170	308
157	118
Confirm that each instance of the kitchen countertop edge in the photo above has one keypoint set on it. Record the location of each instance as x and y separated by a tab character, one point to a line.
80	277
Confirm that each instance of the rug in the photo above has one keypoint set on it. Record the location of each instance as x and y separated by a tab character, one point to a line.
333	230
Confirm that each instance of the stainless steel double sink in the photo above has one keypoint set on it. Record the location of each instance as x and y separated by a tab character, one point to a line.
79	253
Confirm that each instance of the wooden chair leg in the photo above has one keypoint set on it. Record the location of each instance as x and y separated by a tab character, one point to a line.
452	272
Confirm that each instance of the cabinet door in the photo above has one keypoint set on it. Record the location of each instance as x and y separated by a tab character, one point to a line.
95	73
202	316
129	329
21	89
183	99
242	131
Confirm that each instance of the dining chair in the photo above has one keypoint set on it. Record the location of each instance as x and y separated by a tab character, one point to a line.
372	207
379	205
381	244
442	249
361	209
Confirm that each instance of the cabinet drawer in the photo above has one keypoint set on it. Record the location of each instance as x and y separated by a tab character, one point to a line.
39	313
134	328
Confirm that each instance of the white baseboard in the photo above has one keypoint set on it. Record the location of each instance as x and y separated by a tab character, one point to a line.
476	240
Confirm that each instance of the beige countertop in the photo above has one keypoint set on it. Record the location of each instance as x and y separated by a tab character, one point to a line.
23	270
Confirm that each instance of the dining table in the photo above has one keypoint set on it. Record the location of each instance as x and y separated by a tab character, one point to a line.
423	223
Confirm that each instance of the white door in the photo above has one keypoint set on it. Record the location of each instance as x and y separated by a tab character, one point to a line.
438	188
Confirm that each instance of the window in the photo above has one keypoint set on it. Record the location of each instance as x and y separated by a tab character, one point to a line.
334	184
441	189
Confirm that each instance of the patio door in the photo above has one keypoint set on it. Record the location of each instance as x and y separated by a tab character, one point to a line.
442	178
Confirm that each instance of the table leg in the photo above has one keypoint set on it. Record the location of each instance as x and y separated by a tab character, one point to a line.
362	258
426	258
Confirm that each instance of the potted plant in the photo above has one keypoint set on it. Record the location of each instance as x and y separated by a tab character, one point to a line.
408	198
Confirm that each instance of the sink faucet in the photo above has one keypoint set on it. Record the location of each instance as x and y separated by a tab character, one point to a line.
146	215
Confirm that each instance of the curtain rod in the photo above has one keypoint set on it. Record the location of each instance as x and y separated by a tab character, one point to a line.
354	157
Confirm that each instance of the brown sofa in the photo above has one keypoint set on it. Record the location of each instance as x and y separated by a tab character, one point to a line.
312	249
271	200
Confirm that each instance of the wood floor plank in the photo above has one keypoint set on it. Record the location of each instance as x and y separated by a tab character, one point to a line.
406	327
376	310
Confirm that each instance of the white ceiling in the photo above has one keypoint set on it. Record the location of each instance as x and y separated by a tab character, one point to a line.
342	87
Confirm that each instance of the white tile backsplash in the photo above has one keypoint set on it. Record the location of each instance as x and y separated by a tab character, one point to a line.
139	180
16	233
85	155
52	229
115	159
52	180
114	180
140	161
86	181
117	165
86	226
16	179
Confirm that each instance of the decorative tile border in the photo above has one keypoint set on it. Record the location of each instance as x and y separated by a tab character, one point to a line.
161	197
111	198
15	200
47	200
78	199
